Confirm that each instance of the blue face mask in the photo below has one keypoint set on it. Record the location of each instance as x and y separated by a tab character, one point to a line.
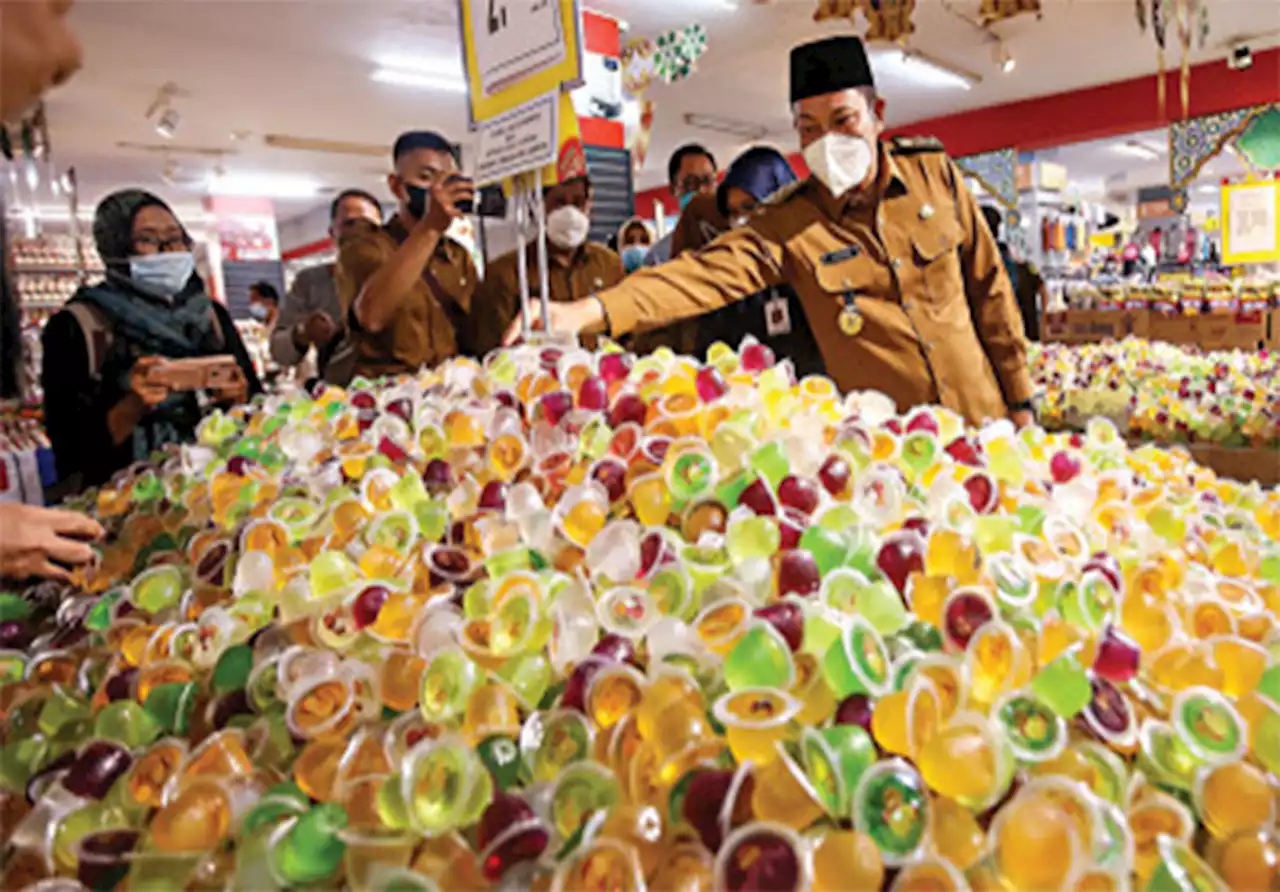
633	257
258	311
164	275
686	198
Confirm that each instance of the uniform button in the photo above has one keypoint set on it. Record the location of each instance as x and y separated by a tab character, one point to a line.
908	305
897	263
928	346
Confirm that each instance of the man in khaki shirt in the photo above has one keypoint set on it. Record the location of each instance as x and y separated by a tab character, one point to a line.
577	268
406	289
897	272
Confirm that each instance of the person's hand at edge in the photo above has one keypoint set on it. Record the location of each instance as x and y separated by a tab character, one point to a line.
44	542
572	317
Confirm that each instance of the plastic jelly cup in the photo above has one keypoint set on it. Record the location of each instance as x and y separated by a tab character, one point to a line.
756	720
375	855
761	658
891	805
784	794
763	855
444	785
858	661
1034	732
603	863
721	624
581	790
629	612
447	683
1209	726
550	742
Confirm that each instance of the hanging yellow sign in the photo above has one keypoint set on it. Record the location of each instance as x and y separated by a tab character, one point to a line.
1251	222
515	51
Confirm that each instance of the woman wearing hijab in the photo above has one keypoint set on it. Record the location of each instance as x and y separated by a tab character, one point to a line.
774	316
101	410
635	237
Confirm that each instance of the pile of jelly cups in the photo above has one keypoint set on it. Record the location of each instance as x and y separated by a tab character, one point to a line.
572	620
1163	393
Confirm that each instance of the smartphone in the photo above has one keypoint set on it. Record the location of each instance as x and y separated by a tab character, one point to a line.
199	373
467	206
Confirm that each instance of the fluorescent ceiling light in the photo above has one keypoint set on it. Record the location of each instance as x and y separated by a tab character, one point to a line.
419	79
263	186
1207	189
1136	149
726	125
921	70
423	73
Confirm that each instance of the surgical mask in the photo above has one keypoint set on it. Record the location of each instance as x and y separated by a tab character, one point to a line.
839	161
567	227
418	198
164	275
633	257
258	311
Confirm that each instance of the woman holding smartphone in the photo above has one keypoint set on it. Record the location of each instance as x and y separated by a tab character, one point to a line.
107	403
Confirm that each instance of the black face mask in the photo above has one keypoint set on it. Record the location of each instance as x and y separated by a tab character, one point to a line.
418	197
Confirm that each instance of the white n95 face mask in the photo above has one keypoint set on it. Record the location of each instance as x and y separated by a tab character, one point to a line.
839	161
567	227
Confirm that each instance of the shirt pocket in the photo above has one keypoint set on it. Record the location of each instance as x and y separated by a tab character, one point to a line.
856	276
936	249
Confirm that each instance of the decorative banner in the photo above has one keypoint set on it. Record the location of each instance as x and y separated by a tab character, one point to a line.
517	50
677	52
997	172
1260	141
639	65
888	21
1251	222
1192	143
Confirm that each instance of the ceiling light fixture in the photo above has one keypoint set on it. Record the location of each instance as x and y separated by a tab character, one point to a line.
262	186
1137	149
919	69
1004	58
425	74
726	125
167	126
419	79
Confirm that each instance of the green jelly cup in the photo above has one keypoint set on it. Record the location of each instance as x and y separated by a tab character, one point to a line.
444	785
835	759
1035	732
553	741
891	805
447	683
760	659
580	791
858	661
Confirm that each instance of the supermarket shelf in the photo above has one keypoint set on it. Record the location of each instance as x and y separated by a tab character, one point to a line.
41	304
38	270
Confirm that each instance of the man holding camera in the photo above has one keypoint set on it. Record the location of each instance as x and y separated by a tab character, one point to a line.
406	289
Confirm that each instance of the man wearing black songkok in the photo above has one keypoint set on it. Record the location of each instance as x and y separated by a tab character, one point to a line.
898	275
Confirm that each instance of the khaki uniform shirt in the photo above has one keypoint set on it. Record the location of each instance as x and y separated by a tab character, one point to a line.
591	269
430	324
940	324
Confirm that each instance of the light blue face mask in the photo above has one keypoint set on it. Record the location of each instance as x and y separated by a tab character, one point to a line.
633	257
164	274
258	311
686	198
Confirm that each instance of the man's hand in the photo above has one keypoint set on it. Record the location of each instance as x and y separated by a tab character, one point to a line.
37	51
32	539
150	392
318	329
573	317
442	207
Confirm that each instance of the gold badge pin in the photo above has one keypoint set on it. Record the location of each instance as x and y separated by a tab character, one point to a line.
849	320
926	211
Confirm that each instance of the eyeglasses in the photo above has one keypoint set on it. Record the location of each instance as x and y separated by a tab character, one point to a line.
159	245
694	183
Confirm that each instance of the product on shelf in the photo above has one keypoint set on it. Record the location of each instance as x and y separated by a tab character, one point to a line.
51	252
1161	392
573	620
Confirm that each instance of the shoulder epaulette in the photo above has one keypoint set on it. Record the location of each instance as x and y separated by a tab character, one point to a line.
914	145
786	193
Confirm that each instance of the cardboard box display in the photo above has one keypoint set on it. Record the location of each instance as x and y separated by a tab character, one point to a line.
1179	330
1246	465
1216	331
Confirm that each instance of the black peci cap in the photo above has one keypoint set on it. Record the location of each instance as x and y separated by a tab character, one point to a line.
422	139
828	66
